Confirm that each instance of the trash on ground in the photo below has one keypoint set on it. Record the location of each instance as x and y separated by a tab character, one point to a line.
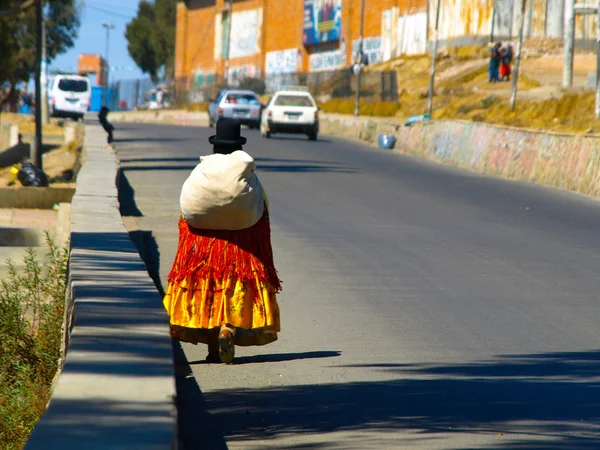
414	119
29	175
386	141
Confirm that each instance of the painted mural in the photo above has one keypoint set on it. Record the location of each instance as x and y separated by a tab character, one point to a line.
322	21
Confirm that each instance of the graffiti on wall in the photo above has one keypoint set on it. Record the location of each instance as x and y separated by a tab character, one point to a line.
245	34
204	79
331	60
371	48
322	21
282	62
239	73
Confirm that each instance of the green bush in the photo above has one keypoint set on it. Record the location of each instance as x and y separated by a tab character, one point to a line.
31	323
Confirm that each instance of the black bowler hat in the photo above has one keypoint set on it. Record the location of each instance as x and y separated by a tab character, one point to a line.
228	133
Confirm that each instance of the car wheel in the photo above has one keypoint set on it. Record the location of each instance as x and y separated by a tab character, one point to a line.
312	136
268	135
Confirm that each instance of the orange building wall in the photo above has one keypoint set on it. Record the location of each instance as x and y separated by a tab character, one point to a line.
90	63
281	30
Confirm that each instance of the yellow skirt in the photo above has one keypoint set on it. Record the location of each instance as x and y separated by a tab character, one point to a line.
223	278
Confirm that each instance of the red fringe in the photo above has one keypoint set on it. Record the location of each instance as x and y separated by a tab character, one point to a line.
246	254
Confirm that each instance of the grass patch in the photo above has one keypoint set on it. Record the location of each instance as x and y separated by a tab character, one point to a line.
31	323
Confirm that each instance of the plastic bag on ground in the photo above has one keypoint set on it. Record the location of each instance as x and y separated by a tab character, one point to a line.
386	141
29	175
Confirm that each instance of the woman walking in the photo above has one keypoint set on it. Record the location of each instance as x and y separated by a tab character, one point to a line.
494	66
223	283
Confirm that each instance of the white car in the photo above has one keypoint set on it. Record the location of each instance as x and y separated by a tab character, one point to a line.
291	111
70	96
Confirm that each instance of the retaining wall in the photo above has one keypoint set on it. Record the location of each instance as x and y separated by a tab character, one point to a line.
166	116
564	161
117	386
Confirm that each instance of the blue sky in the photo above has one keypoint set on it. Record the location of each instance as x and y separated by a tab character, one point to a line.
92	38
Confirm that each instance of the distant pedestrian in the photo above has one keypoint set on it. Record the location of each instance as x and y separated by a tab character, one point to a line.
108	127
507	56
26	101
495	60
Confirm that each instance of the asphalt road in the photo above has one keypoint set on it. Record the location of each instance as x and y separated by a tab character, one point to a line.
423	307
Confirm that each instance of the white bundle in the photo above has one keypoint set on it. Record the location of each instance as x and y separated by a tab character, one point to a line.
223	193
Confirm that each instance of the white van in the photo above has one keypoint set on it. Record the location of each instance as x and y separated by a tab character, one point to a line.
69	96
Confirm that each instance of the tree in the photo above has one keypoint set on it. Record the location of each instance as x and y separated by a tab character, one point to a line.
17	40
151	37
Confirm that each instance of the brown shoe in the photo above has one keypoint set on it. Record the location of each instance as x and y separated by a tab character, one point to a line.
226	347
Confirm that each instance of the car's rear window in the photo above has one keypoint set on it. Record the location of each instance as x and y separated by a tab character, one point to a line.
293	100
242	99
68	85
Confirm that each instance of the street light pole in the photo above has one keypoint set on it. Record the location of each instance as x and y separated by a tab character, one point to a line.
360	57
36	147
569	37
104	91
433	59
229	20
515	81
44	75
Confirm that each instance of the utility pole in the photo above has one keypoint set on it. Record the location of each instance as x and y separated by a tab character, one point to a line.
44	76
492	28
597	111
433	58
36	145
360	57
108	26
569	37
227	51
513	95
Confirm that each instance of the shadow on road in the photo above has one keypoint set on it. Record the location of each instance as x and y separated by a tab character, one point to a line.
198	429
304	168
278	137
552	399
127	204
118	140
279	357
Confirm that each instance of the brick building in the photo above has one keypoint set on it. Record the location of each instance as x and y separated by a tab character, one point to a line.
274	37
279	37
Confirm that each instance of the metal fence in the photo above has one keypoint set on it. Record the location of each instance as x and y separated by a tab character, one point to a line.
324	86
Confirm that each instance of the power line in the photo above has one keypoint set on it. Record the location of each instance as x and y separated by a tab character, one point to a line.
103	3
111	13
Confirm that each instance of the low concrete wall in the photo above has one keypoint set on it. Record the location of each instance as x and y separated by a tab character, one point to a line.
34	197
167	117
9	136
563	161
117	386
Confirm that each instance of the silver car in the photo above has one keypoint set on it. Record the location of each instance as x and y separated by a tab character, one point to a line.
236	104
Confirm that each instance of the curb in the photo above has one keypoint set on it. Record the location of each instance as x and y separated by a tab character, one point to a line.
117	386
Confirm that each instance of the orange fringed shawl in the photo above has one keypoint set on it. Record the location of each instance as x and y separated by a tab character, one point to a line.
246	254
